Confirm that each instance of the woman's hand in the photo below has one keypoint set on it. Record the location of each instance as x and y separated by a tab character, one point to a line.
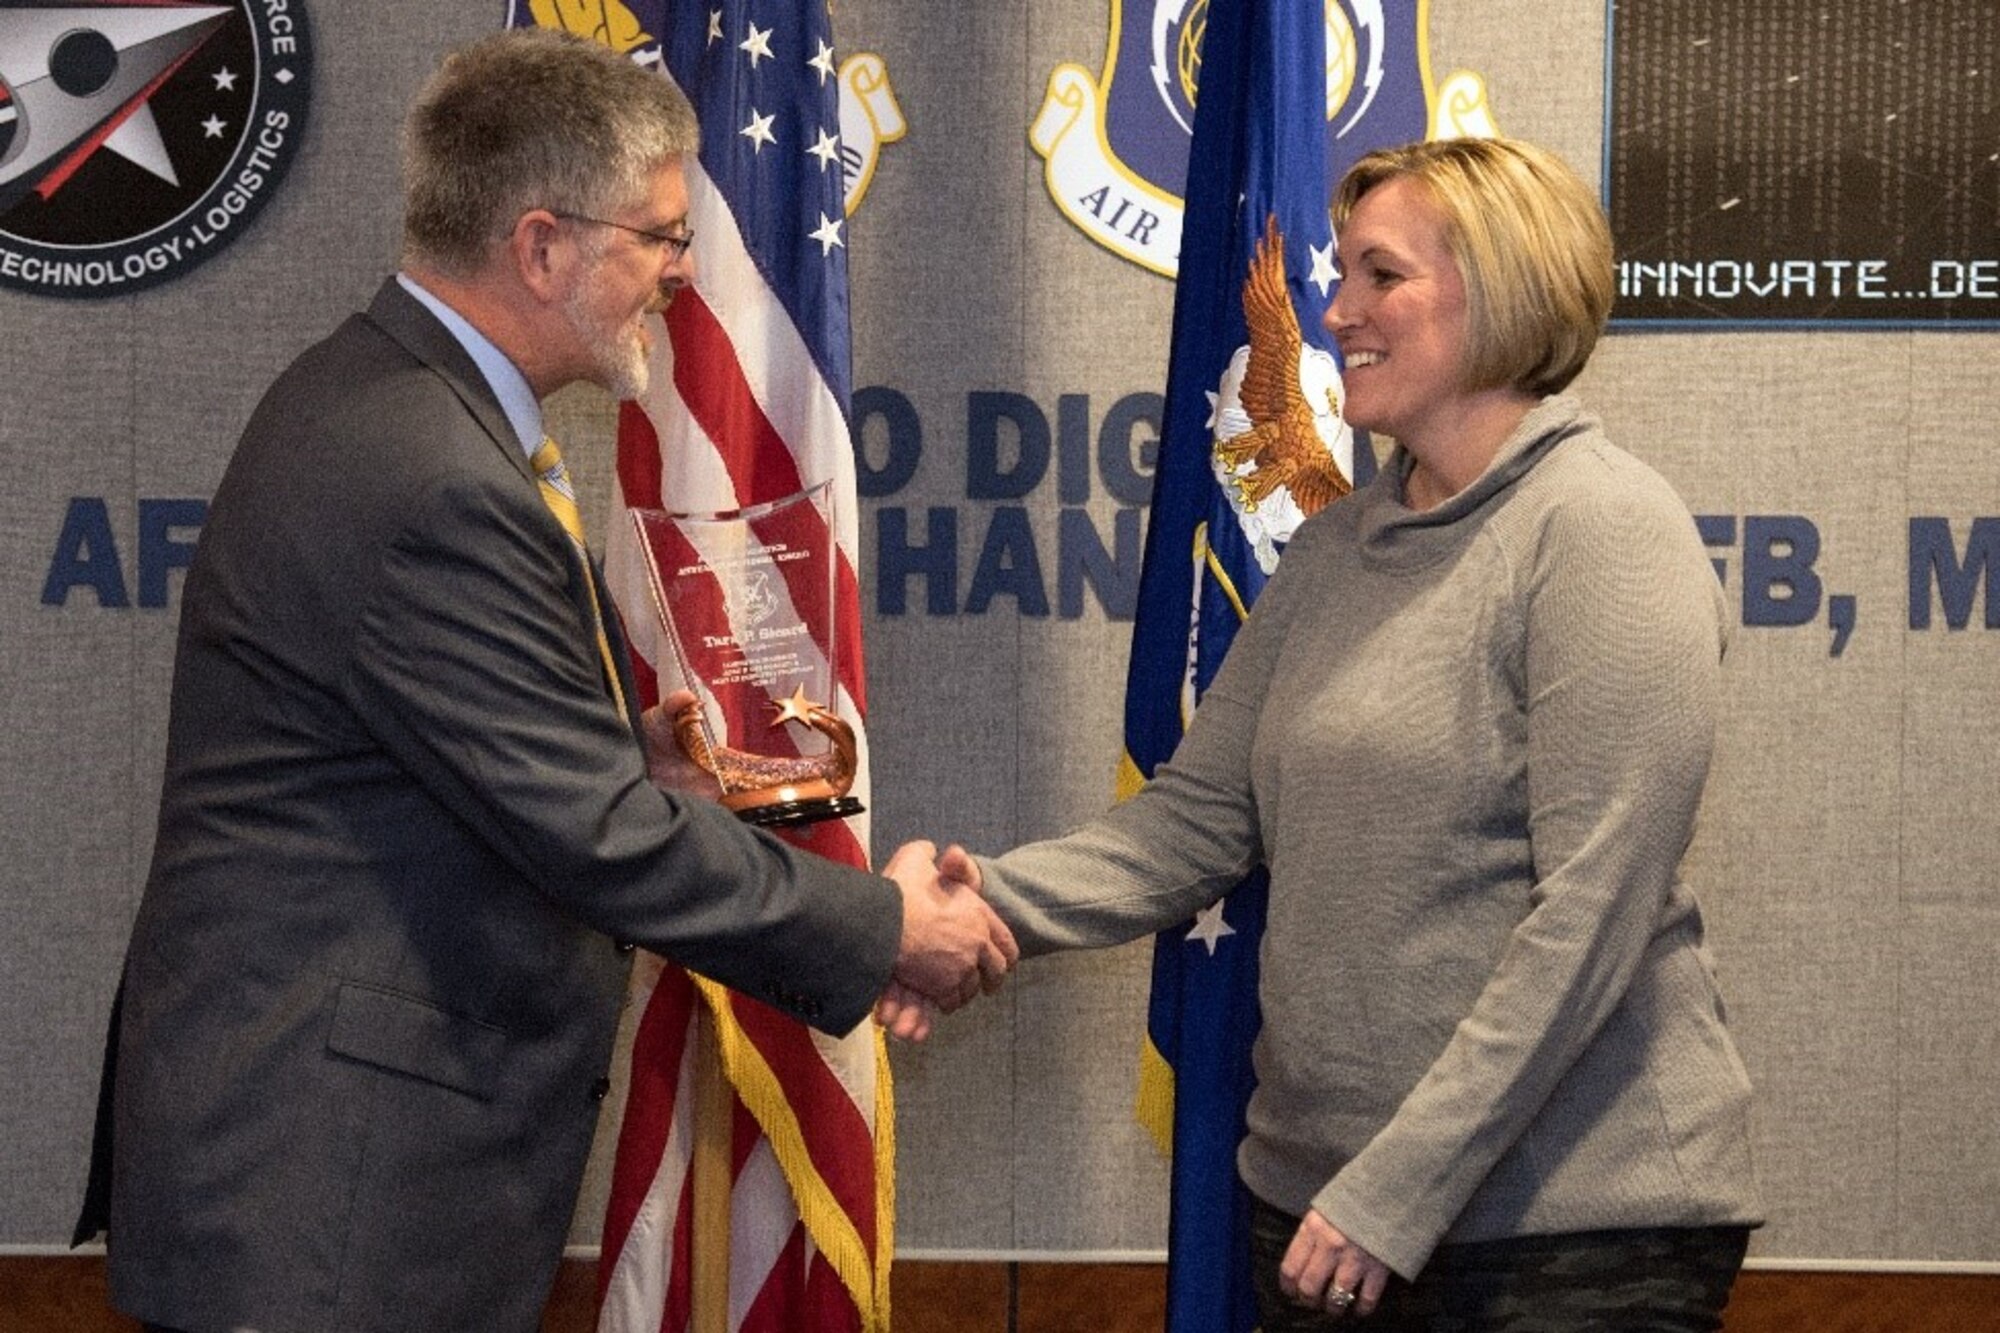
904	1013
1325	1270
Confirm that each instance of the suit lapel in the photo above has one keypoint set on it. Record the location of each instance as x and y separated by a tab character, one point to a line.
404	318
418	331
621	648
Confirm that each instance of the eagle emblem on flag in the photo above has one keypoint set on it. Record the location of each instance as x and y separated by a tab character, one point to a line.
1281	451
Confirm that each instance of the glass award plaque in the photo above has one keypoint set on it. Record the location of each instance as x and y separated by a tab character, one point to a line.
746	604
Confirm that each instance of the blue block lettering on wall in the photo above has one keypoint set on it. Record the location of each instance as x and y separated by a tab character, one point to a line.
1073	448
1081	556
1778	553
87	556
1934	559
1780	588
1130	478
1011	454
159	551
1717	530
903	441
988	474
1009	566
935	560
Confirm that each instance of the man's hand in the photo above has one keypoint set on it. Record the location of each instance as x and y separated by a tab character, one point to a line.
953	944
666	763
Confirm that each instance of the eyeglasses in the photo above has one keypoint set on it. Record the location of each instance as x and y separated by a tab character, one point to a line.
672	244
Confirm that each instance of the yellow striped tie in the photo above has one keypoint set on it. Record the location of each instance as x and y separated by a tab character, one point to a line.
552	477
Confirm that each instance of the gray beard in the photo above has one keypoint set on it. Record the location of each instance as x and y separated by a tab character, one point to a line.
618	362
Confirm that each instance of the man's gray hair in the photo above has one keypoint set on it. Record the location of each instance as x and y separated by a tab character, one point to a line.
525	119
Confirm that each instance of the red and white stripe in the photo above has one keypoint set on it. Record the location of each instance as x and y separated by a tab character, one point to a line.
738	415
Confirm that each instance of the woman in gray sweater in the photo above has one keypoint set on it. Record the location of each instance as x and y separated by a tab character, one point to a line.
1467	728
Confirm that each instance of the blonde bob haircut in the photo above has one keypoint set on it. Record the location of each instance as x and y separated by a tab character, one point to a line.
1530	242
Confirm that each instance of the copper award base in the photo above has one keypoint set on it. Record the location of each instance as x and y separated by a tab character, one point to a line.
769	791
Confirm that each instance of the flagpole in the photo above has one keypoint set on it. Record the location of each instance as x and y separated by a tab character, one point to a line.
714	1122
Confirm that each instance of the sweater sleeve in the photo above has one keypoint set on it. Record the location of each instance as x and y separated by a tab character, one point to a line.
1622	625
1187	837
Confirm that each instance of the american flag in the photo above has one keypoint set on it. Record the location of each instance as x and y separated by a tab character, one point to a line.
749	403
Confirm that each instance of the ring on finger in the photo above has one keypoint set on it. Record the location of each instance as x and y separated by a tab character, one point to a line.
1339	1298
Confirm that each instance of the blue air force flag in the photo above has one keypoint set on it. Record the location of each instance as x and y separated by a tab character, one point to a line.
1253	445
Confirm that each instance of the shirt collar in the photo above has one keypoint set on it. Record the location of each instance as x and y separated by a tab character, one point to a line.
509	385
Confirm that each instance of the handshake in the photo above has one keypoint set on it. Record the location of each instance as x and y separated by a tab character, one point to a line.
954	945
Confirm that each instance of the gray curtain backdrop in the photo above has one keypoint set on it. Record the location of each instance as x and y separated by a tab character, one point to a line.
1850	851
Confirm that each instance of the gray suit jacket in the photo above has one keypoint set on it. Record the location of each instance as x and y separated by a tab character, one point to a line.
373	985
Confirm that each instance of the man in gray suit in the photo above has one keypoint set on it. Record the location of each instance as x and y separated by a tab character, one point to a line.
407	837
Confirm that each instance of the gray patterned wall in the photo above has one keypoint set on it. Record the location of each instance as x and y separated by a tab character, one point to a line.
1850	853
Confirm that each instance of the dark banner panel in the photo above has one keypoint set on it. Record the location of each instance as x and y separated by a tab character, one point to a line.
1822	161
